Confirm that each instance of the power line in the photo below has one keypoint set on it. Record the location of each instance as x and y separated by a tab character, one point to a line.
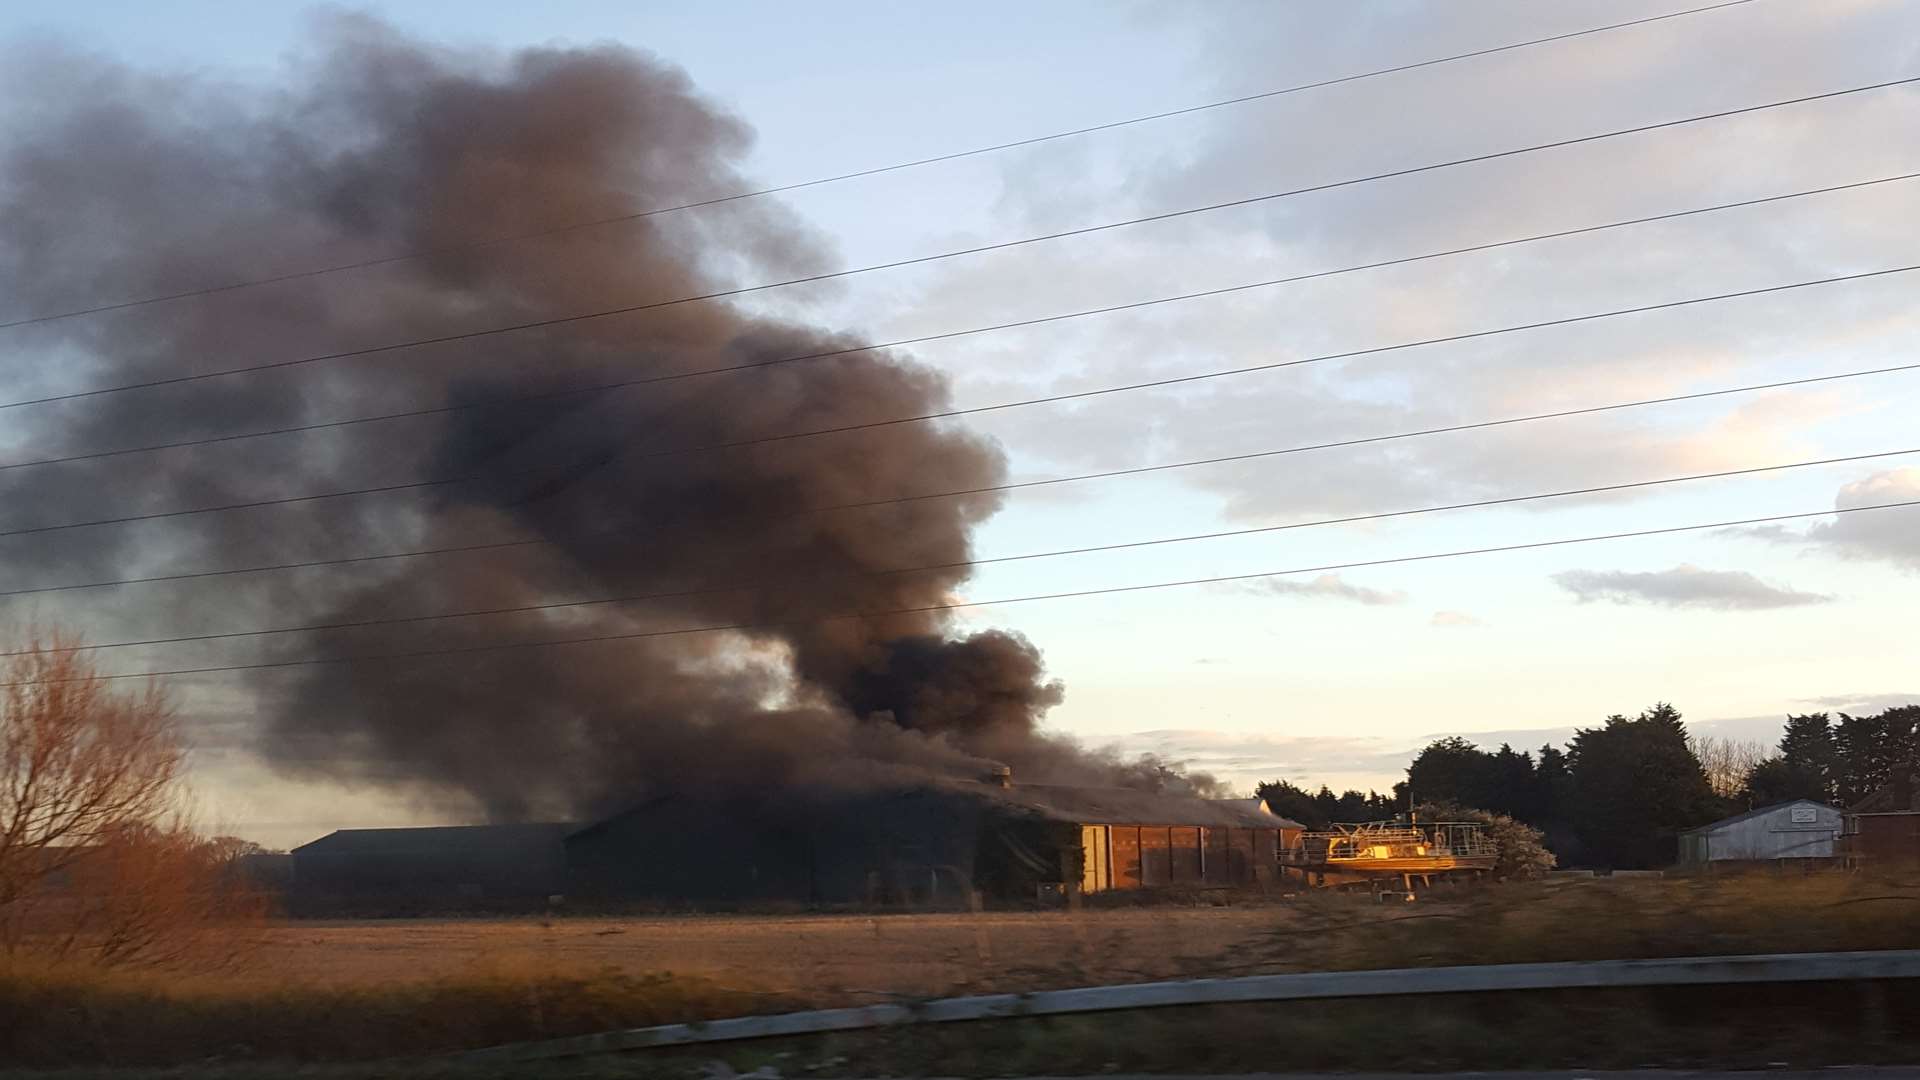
1003	245
1013	486
839	177
1176	380
1507	500
959	605
601	388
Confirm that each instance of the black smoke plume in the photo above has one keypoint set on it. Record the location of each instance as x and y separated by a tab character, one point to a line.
118	184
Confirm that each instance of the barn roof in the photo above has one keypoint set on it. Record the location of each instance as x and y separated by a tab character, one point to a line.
1754	813
1127	806
436	839
1901	795
1065	803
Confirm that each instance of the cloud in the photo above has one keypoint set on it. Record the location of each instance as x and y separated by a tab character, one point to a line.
1886	535
1891	536
1859	704
1327	586
1684	586
1250	758
1455	618
1499	102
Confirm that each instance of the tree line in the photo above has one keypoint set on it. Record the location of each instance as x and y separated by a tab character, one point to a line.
1620	794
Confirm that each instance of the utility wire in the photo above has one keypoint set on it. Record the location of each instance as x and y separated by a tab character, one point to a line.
600	388
1507	500
1175	380
1014	486
1003	245
839	177
959	605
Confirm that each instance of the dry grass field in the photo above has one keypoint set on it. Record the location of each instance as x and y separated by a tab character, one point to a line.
809	955
313	991
839	956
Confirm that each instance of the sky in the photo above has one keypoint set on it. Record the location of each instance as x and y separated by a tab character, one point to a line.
1329	675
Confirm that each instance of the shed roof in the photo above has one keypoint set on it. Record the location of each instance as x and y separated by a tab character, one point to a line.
1127	806
1757	812
436	839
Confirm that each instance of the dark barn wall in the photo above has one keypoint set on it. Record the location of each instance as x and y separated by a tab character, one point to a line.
898	849
1019	857
270	871
925	848
681	850
919	848
425	872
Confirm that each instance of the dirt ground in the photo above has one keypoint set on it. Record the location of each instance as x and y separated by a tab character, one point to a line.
884	954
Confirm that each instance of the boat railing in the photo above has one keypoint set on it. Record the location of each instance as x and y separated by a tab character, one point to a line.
1392	840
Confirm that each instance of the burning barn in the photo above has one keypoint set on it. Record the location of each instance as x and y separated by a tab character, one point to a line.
398	871
553	590
945	843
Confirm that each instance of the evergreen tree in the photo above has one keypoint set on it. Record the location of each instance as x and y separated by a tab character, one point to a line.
1868	748
1635	785
1777	780
1514	787
1807	744
1327	804
1453	770
1554	784
1291	802
1807	766
1319	809
1380	807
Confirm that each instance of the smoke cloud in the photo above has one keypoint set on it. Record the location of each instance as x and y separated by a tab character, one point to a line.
118	184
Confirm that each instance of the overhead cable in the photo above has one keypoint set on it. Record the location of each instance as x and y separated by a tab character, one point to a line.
1111	590
607	387
946	414
1130	545
1011	486
653	305
717	200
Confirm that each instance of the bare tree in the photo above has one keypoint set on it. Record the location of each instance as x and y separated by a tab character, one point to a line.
82	761
155	895
1728	762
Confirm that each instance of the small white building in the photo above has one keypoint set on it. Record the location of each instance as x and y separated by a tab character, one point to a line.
1801	829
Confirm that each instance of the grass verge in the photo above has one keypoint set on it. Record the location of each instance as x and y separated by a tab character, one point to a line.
90	1018
1750	1027
1807	1025
52	1018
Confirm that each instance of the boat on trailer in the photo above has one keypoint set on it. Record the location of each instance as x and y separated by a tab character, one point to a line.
1381	854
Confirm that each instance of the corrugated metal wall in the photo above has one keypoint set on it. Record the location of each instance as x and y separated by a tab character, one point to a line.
1150	856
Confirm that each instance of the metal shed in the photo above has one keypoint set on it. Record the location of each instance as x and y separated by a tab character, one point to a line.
1801	829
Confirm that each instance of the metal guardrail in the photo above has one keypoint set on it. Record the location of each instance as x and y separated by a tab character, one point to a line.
1393	982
